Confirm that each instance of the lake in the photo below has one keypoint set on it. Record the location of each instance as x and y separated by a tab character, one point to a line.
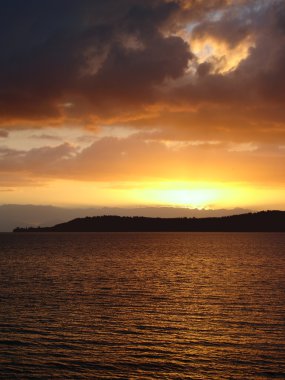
142	306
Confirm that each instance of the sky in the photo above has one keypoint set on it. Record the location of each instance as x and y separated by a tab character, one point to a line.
143	102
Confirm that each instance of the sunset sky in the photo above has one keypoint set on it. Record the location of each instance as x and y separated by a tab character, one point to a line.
143	102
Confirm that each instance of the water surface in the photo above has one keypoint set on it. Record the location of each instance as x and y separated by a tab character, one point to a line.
142	306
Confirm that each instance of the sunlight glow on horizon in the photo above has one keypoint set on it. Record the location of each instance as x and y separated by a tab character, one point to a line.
198	195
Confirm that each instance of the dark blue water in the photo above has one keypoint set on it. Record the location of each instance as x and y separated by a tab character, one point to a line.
142	306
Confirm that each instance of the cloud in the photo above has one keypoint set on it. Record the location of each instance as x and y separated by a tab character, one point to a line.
193	69
37	161
259	77
137	158
45	136
3	133
87	52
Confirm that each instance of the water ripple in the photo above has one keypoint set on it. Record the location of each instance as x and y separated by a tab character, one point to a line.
142	306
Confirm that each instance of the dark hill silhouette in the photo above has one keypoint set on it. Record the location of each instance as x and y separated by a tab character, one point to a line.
264	221
45	216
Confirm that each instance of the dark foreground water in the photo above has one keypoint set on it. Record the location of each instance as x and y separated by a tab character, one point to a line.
142	306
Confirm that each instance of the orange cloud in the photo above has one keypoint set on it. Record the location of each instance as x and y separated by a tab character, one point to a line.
137	159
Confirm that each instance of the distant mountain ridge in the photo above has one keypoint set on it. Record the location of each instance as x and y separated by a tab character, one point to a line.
12	216
264	221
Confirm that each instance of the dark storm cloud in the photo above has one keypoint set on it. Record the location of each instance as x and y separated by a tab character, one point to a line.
248	101
260	77
116	60
231	26
90	50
